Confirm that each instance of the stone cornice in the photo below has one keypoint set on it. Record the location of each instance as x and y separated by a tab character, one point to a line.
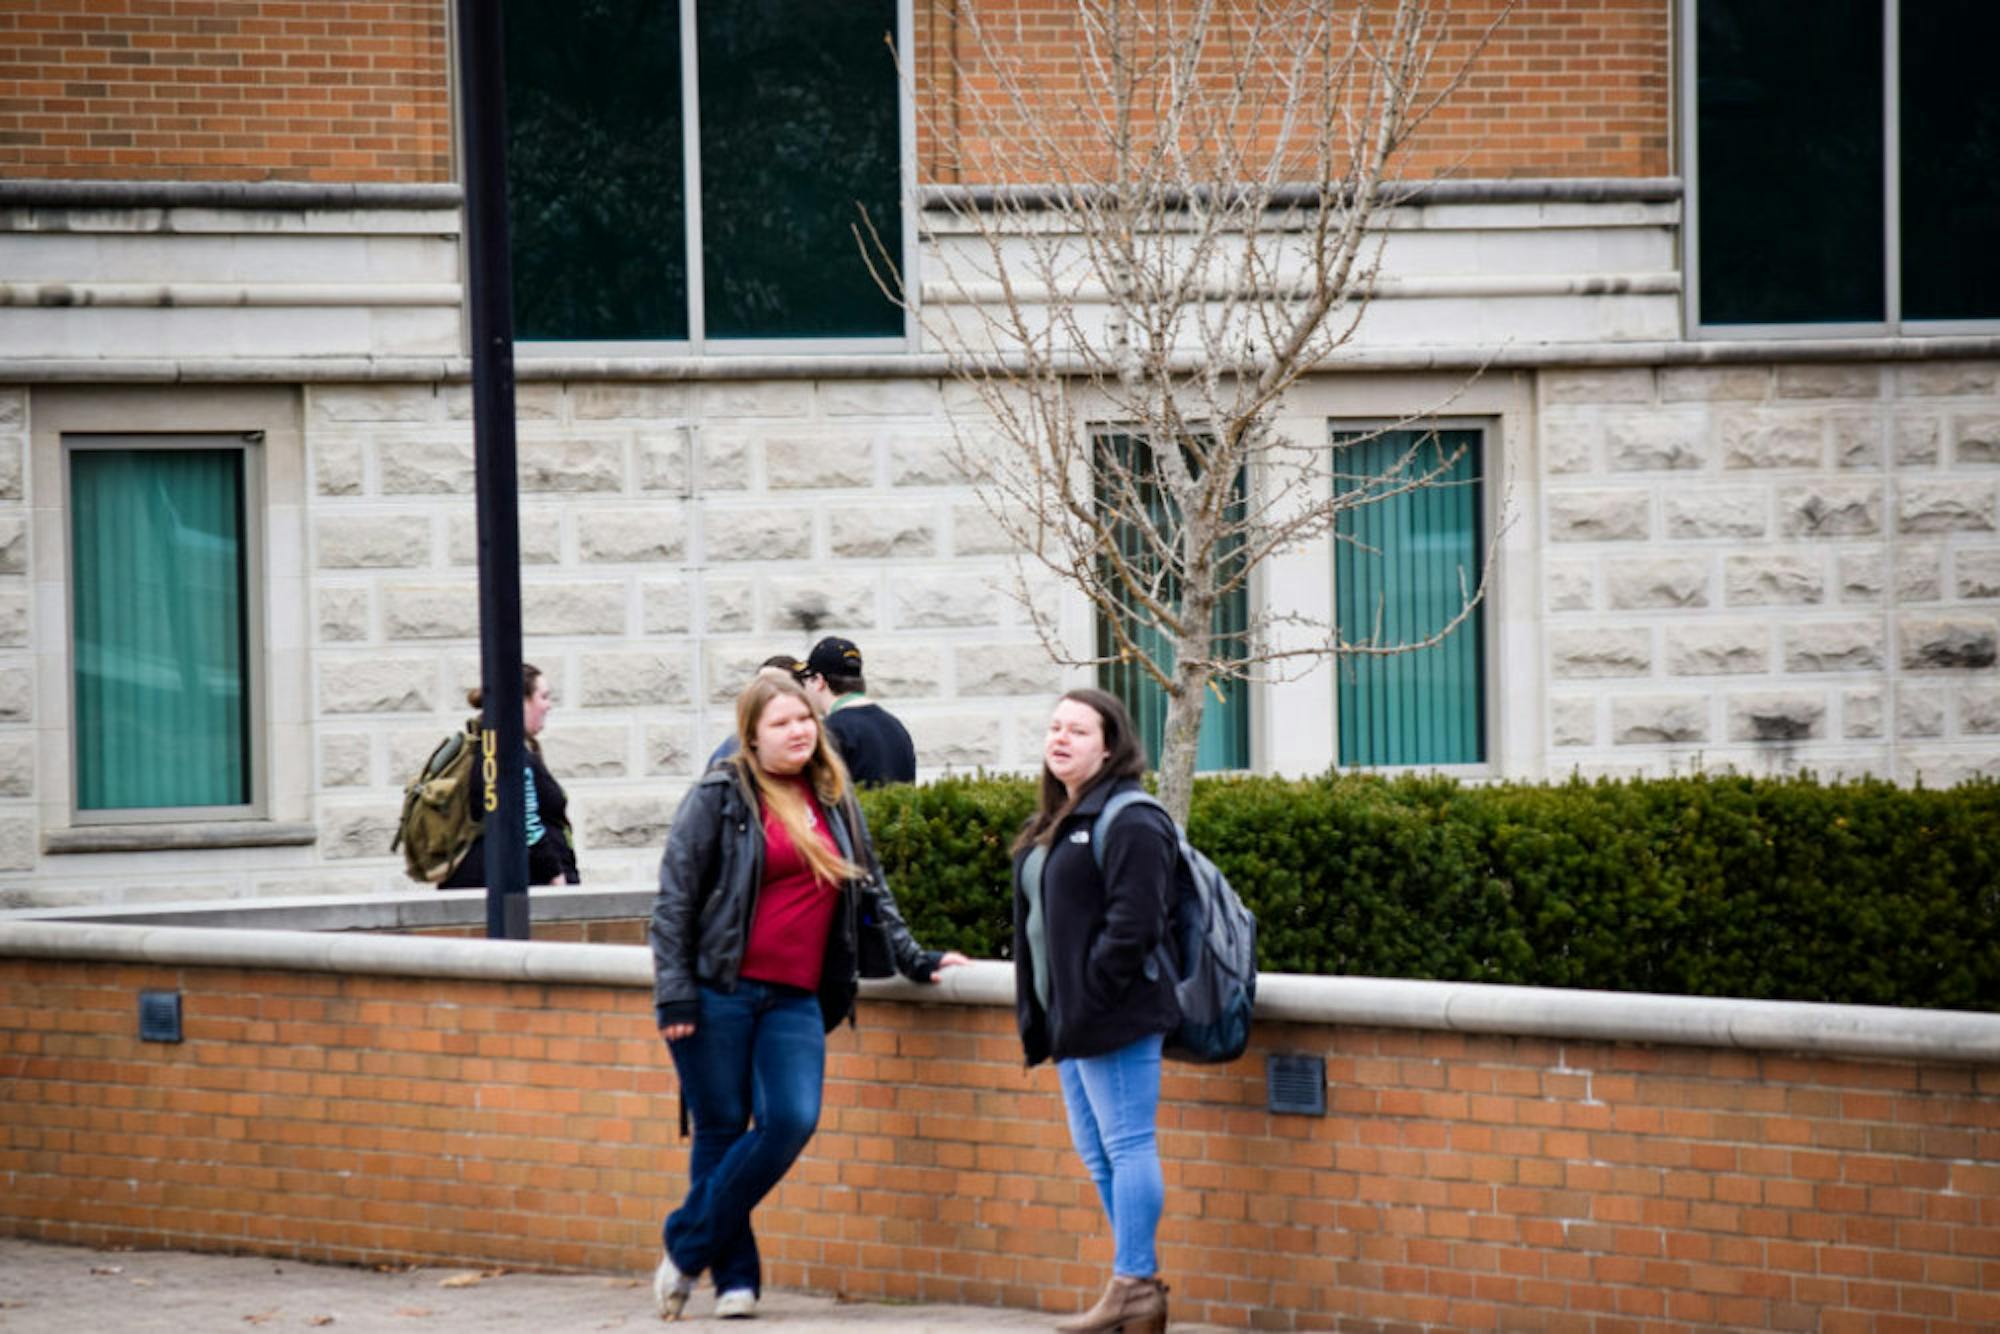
1526	190
260	195
933	366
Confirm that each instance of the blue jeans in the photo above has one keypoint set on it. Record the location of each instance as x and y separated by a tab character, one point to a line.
751	1073
1113	1102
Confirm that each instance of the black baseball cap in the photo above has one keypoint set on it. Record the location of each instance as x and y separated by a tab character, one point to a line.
833	656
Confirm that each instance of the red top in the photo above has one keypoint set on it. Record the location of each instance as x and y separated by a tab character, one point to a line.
794	911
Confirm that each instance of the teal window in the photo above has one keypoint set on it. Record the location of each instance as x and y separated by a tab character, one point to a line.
1224	740
1841	178
793	135
159	628
1403	564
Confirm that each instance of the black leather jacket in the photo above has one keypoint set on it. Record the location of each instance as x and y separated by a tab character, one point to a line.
710	875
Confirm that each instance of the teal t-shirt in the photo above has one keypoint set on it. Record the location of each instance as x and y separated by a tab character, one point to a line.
536	829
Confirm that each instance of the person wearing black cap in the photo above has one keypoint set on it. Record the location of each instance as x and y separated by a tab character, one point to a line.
876	747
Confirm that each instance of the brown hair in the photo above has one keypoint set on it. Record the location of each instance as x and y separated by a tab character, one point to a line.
531	676
1124	757
824	772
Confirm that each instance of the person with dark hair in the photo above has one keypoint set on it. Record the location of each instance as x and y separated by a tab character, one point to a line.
874	745
551	859
1094	990
755	936
780	664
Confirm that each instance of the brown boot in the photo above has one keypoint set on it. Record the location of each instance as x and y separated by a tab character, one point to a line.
1128	1306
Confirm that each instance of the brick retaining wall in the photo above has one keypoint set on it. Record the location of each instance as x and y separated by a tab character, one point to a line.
1460	1180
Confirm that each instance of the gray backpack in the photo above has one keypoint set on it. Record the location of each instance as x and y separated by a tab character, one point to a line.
1211	944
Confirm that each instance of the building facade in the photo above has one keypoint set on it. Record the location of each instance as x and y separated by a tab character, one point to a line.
1713	322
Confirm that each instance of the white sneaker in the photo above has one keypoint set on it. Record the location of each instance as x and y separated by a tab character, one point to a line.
736	1304
670	1289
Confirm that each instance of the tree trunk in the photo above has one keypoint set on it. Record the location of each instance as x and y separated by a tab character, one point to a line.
1182	737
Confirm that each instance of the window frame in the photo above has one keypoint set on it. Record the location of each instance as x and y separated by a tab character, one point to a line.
1492	514
1892	241
698	343
249	446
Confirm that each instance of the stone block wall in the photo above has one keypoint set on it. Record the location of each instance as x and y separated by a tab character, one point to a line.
17	663
672	537
1773	568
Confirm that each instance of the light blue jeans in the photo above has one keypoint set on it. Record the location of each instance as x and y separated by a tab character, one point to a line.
1113	1102
751	1075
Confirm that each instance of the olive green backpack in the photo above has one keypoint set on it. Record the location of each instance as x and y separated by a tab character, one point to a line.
441	812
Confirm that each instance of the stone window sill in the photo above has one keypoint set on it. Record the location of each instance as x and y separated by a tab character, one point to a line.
179	837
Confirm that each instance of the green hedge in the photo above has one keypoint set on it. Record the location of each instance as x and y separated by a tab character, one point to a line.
1784	889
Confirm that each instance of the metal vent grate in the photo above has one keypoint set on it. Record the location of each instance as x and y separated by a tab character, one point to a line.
160	1016
1296	1084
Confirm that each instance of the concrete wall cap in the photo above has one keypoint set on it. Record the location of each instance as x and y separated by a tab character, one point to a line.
1867	1031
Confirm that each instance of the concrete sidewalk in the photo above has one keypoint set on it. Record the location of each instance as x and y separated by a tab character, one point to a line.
47	1289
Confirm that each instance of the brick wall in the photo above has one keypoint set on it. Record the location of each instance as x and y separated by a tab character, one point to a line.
1458	1181
249	90
224	90
1564	88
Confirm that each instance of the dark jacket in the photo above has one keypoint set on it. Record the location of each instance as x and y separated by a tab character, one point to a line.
710	876
875	747
1106	933
548	856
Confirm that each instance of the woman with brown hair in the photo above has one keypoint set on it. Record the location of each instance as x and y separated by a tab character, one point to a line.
755	952
551	859
1093	988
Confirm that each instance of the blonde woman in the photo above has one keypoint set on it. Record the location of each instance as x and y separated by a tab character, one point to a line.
754	962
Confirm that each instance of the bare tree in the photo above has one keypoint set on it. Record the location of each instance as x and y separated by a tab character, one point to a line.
1178	228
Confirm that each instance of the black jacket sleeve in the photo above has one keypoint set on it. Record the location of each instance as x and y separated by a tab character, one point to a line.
687	872
912	960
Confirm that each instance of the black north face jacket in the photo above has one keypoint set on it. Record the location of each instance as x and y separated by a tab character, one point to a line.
1109	985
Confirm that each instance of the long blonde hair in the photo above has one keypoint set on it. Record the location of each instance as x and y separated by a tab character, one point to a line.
823	772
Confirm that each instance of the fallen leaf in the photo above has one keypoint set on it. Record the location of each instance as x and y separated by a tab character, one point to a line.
320	1320
107	1269
142	1282
413	1310
460	1281
262	1317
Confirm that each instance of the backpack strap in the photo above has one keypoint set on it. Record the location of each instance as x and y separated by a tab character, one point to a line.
1117	802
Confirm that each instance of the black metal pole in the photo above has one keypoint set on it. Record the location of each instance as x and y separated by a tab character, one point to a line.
490	298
